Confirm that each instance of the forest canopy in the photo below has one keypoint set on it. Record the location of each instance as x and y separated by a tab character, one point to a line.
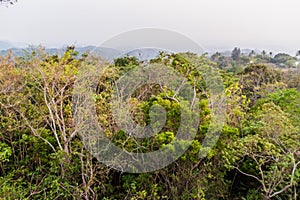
43	157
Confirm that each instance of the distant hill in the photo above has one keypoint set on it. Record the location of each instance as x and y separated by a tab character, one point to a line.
5	45
144	54
105	53
20	49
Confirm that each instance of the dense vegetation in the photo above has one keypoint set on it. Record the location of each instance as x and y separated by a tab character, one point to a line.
256	157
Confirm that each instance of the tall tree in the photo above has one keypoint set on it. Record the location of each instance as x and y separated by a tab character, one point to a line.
271	53
257	77
298	53
269	153
235	55
252	53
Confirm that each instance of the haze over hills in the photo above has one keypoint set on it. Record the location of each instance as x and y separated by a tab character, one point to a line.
5	45
104	52
19	49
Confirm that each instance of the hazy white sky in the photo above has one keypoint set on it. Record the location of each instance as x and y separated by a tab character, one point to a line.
262	24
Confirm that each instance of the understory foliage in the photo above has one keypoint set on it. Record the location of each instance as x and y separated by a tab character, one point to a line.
42	155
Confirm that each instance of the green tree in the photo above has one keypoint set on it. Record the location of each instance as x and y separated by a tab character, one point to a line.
235	54
215	57
258	77
268	153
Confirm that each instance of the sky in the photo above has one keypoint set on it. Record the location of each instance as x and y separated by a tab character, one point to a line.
272	25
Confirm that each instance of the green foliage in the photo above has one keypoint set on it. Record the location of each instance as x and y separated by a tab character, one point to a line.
255	78
267	152
284	60
236	52
288	100
42	157
5	152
